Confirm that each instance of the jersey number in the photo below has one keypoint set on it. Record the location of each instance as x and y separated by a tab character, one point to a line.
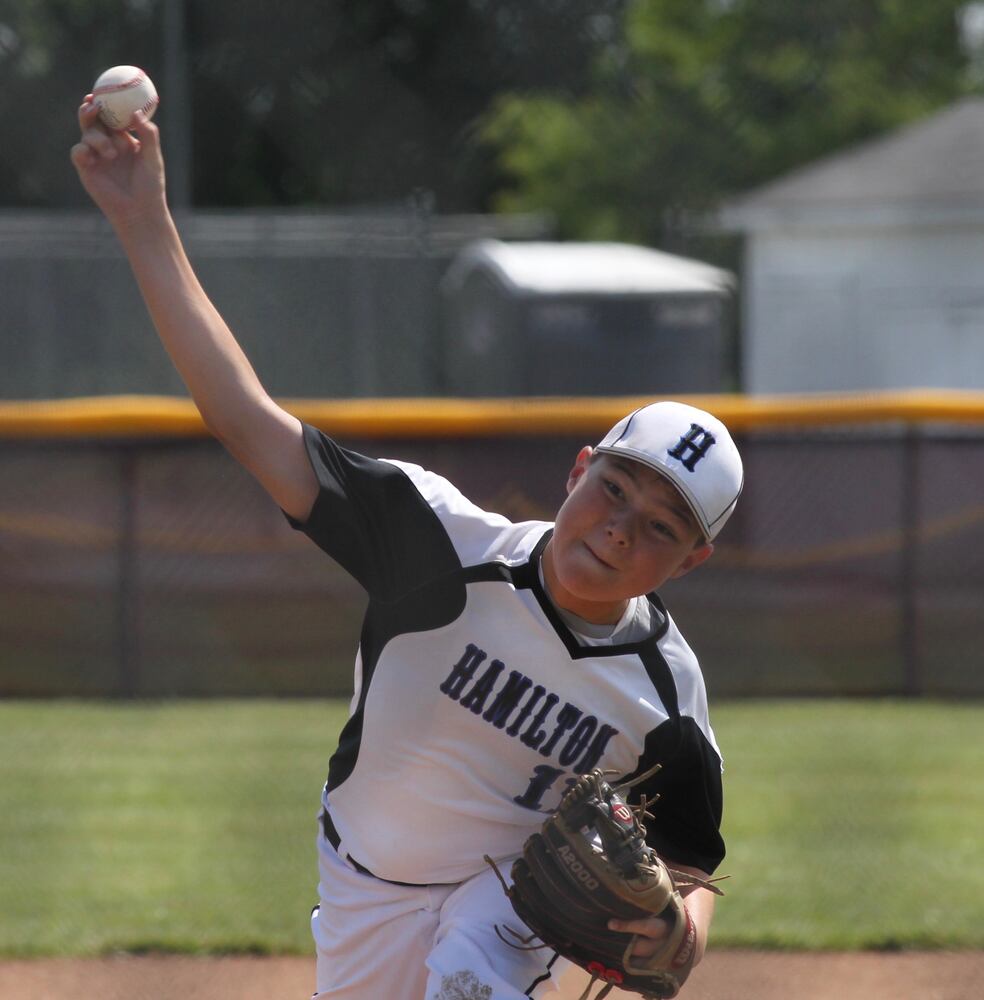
544	777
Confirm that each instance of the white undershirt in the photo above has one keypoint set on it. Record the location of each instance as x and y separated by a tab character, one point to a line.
639	621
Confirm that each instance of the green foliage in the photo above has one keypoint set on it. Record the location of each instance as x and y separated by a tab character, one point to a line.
377	98
51	52
705	99
189	826
342	102
624	118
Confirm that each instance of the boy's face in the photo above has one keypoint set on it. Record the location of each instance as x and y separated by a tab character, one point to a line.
623	531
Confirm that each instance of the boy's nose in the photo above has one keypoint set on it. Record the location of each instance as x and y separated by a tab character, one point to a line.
619	531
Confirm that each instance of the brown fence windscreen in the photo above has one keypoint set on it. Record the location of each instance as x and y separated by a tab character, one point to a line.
154	566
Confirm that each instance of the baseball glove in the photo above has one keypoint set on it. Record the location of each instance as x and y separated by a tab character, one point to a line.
590	863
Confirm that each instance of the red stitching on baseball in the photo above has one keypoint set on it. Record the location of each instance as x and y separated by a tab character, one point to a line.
113	88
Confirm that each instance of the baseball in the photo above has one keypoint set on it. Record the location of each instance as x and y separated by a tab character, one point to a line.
122	90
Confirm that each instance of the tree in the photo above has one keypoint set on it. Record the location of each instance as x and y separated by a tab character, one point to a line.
710	97
329	102
365	101
51	51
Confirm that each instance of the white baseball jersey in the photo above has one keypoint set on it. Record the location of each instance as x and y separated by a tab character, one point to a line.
475	704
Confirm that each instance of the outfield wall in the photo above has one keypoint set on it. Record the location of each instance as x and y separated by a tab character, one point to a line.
138	560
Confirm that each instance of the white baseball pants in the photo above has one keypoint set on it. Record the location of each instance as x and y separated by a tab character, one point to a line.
378	940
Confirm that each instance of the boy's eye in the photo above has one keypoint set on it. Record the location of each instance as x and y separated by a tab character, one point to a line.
613	488
659	528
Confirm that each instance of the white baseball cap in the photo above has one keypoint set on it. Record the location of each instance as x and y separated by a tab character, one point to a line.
689	447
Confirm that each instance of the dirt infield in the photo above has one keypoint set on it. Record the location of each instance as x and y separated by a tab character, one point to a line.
724	975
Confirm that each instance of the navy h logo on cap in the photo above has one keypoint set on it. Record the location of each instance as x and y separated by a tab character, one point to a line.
692	446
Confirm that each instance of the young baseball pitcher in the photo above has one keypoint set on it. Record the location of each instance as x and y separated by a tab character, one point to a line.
498	662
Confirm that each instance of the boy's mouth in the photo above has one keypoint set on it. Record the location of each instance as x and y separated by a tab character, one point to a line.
598	558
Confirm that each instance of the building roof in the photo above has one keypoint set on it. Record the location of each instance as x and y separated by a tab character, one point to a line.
932	170
585	269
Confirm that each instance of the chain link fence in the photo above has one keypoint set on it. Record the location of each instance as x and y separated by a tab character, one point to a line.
143	569
852	566
326	305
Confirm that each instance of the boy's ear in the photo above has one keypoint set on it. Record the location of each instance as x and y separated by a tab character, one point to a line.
581	464
699	555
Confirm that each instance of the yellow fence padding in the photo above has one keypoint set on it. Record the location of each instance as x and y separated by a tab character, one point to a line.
172	416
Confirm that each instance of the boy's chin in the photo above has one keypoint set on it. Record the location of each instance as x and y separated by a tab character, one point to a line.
591	582
586	601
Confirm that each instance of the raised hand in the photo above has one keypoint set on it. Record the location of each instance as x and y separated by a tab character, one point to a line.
123	172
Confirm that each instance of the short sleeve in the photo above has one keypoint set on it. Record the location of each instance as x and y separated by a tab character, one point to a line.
371	519
687	815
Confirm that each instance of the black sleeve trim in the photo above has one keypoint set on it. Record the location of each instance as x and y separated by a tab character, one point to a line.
687	815
372	520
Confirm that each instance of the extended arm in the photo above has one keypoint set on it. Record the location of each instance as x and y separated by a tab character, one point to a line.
124	175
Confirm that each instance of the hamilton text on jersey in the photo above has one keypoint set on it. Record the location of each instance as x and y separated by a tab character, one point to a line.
537	722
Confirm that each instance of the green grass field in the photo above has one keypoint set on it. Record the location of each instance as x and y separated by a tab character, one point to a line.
189	826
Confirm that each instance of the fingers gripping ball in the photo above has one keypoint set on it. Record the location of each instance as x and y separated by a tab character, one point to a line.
589	863
121	91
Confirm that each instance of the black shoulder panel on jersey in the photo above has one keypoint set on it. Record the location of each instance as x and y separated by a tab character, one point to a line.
431	606
371	519
687	816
